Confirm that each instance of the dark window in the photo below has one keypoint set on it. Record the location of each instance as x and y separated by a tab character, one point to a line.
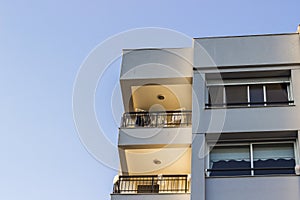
256	95
236	95
260	94
273	159
266	159
230	161
277	93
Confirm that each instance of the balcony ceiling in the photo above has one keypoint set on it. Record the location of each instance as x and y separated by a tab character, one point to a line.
162	97
159	161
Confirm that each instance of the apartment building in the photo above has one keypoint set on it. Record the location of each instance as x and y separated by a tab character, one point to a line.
217	121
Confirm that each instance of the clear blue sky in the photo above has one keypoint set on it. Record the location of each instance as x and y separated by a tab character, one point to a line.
42	45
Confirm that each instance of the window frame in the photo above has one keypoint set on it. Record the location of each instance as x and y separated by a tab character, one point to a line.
251	153
247	83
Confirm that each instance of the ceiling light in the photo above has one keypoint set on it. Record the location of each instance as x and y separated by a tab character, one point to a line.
161	97
156	161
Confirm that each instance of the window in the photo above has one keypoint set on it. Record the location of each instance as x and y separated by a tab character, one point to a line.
252	159
277	93
236	94
256	94
225	160
216	96
256	91
279	158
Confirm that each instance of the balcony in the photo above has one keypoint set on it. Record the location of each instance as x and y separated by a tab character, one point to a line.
163	119
149	184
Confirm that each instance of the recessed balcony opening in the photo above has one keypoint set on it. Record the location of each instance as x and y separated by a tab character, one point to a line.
156	105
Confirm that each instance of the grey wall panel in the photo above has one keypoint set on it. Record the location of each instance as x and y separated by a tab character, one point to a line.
157	63
150	197
258	188
155	136
247	50
198	165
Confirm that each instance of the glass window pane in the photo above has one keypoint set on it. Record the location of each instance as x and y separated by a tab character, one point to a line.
215	94
277	93
256	95
230	161
236	95
277	156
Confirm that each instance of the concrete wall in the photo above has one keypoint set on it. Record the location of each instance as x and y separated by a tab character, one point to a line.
198	166
157	63
258	188
150	197
247	50
155	136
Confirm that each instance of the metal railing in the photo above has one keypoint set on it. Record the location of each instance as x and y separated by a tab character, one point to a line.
157	119
254	171
246	104
152	184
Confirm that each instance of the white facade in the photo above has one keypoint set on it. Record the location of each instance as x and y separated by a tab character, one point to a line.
216	121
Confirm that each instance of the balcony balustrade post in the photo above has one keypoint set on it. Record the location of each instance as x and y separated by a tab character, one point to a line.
186	185
152	188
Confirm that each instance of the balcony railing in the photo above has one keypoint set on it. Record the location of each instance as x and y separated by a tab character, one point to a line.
157	119
251	104
250	171
152	184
